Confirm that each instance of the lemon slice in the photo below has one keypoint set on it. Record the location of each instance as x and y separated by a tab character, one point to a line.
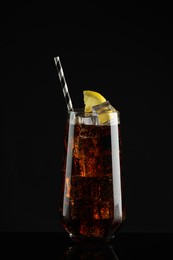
92	98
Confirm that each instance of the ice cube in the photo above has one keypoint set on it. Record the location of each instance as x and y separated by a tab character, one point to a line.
104	107
106	113
87	119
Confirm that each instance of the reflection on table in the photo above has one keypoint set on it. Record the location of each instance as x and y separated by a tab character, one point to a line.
89	251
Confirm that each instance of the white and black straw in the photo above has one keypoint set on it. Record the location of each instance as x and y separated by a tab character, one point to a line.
63	83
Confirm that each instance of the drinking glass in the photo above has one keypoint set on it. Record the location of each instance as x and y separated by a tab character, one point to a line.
91	207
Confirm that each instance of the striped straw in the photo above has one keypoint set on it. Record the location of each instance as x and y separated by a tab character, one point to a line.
63	83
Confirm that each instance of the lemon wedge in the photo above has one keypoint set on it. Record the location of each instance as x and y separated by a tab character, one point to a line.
92	98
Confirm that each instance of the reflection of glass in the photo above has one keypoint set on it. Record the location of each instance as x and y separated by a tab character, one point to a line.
91	206
96	252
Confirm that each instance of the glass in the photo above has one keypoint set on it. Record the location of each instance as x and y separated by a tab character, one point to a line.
91	197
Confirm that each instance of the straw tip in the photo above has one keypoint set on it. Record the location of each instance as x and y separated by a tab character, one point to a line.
56	58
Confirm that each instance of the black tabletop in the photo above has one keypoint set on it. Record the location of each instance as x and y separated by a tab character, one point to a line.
58	245
123	246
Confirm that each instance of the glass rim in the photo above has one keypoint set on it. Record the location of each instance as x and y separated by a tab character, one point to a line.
82	111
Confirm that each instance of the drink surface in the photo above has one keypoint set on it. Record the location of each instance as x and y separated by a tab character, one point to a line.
92	204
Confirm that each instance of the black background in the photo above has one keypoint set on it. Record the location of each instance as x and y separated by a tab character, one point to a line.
123	51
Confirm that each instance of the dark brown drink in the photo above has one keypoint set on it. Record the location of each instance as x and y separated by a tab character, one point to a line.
92	205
